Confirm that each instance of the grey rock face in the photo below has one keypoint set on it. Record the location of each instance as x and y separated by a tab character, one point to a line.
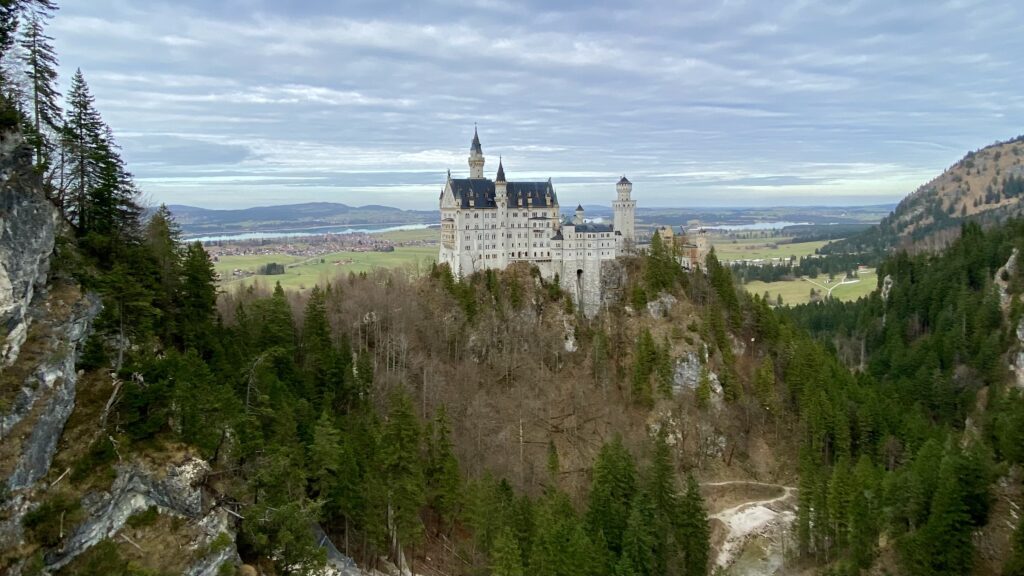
177	492
687	377
660	307
53	382
27	224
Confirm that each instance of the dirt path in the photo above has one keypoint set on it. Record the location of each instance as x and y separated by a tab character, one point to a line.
765	519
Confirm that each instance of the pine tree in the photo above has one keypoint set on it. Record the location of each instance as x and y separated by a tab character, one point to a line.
554	467
442	470
325	456
704	388
83	131
507	559
640	540
198	299
645	363
317	348
560	546
694	532
112	203
41	65
611	492
162	238
401	472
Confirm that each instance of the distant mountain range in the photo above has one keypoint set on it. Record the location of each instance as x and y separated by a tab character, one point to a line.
198	221
301	217
986	186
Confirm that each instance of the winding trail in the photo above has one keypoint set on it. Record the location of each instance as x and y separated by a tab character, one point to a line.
762	516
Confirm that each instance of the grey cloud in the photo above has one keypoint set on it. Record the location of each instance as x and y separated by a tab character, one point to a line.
363	101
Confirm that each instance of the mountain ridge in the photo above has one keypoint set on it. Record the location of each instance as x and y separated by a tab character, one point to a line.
985	185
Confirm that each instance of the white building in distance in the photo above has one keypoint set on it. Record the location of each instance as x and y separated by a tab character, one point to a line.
493	223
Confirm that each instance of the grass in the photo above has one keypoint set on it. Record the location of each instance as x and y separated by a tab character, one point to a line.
762	248
798	291
428	234
302	273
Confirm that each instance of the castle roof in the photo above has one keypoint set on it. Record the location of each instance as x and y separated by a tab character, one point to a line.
481	192
623	180
590	227
501	172
475	146
579	207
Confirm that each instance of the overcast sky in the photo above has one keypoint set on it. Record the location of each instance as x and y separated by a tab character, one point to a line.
700	103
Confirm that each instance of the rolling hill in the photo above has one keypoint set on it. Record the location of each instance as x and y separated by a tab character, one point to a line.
194	220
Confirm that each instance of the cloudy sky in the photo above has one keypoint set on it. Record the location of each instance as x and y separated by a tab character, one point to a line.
700	102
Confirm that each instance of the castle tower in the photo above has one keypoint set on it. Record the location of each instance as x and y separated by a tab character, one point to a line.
500	187
476	157
578	218
624	208
501	209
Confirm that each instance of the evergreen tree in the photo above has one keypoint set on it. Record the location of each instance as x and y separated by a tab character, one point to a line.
401	472
640	540
325	457
198	300
40	61
507	558
317	349
611	492
694	531
83	131
162	238
442	469
560	545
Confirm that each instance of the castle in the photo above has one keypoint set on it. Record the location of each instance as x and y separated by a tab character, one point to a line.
493	223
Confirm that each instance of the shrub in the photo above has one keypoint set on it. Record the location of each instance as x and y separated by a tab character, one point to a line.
52	519
145	518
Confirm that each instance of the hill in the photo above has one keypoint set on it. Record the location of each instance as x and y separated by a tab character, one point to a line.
195	220
984	186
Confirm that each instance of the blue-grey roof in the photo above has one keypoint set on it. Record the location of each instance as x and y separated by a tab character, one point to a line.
481	190
475	146
589	227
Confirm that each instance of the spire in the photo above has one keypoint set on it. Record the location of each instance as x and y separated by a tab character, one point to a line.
624	180
501	172
579	207
475	146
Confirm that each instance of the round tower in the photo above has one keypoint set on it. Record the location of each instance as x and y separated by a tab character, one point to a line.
476	157
624	188
624	209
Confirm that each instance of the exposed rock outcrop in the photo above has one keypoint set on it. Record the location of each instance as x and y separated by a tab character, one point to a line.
175	490
27	230
47	396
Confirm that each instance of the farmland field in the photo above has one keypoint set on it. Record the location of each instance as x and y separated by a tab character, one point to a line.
762	248
426	234
798	291
302	273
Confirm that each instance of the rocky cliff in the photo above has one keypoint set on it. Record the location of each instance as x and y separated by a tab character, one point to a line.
45	325
27	229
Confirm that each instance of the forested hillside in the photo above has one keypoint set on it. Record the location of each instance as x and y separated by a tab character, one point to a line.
985	186
934	412
481	425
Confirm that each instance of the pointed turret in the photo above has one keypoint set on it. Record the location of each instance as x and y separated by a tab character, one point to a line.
475	146
476	157
578	218
501	172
